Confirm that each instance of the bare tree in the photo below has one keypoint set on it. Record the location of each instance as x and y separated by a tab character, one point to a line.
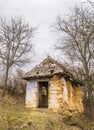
16	85
91	2
78	43
15	44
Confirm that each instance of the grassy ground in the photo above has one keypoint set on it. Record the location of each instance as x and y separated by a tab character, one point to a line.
14	116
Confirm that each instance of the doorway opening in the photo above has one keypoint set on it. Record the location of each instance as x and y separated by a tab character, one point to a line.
43	94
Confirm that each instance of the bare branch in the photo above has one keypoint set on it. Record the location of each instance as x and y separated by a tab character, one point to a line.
77	41
15	43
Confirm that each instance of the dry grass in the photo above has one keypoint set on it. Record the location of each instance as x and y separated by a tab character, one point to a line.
14	116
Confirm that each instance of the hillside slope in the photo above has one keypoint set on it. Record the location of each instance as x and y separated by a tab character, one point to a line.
14	116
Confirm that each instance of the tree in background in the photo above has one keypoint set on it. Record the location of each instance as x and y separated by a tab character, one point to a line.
17	86
15	44
77	41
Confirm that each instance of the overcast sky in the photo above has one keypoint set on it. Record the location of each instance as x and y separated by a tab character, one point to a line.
41	14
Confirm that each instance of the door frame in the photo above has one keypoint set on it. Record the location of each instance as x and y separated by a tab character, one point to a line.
39	81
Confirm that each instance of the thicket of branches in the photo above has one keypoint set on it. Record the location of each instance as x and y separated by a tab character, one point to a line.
77	42
17	86
15	44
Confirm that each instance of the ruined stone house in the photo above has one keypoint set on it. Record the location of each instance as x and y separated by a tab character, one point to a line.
51	86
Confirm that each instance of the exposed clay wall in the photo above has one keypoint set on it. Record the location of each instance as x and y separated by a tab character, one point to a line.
75	100
62	95
55	93
31	94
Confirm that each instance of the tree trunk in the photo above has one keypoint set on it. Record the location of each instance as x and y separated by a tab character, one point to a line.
90	101
90	96
5	83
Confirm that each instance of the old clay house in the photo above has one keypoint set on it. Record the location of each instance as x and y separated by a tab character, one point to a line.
51	86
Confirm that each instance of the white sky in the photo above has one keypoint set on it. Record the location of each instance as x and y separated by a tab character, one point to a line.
40	13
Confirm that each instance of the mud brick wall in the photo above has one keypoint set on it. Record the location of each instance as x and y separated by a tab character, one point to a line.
62	95
31	94
55	93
